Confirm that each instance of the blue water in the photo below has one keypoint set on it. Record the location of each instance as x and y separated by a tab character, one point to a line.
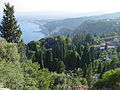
30	31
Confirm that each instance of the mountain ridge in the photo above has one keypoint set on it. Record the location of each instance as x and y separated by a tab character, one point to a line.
54	27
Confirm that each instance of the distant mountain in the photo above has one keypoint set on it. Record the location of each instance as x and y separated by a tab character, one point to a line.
99	26
59	27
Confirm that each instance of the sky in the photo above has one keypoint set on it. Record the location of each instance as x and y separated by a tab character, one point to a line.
64	6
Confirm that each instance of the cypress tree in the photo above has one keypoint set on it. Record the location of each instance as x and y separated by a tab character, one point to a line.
49	60
100	68
85	59
72	60
9	28
60	67
39	58
89	75
22	50
106	46
85	70
63	51
68	42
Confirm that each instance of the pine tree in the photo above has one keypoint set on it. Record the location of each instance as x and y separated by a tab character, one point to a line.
9	28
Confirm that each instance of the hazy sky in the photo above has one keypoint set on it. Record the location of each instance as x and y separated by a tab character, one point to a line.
64	6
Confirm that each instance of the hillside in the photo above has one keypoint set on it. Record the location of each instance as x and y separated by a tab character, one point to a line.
99	26
56	27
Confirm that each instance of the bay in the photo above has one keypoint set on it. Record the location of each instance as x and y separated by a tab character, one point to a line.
30	31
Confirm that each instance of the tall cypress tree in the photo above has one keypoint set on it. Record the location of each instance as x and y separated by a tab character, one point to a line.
100	68
49	60
9	28
106	46
22	49
72	60
39	58
85	59
63	51
89	75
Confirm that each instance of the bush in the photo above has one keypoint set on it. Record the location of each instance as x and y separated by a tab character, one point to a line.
110	79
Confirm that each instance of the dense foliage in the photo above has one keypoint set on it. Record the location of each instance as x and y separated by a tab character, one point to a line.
110	79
